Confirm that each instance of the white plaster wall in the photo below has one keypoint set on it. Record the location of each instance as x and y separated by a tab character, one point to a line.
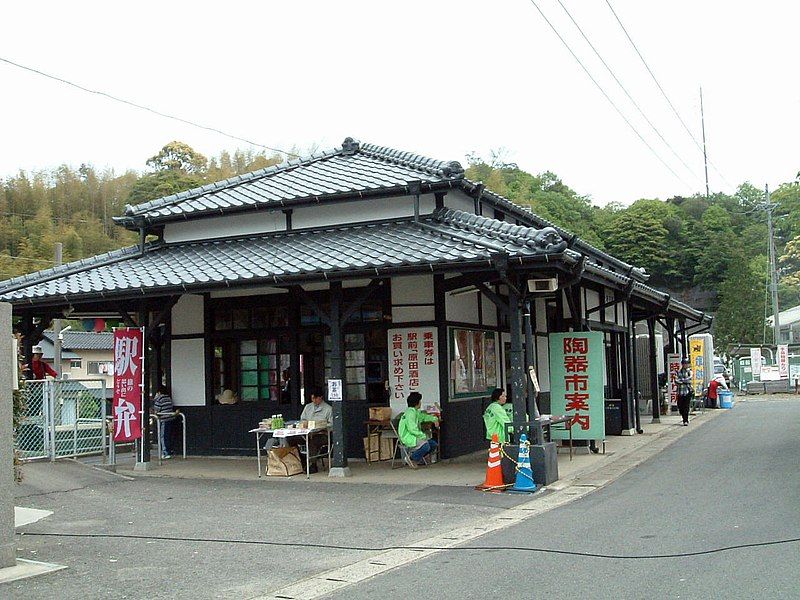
412	290
409	314
489	312
592	301
360	211
462	308
187	315
227	226
610	310
567	314
188	385
460	201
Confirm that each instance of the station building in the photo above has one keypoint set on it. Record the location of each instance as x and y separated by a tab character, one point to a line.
270	283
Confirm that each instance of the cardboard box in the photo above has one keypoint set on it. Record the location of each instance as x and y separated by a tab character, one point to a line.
372	447
387	448
380	413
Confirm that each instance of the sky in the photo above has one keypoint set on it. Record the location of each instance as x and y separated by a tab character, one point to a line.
441	78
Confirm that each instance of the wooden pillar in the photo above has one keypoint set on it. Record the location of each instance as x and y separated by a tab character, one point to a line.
517	357
339	467
440	316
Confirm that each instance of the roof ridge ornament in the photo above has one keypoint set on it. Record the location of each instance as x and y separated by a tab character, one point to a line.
453	169
350	146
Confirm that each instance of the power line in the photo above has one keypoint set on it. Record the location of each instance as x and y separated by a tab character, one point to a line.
661	89
624	89
147	108
607	97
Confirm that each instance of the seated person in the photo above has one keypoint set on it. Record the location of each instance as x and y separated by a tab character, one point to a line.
410	431
162	405
317	409
495	416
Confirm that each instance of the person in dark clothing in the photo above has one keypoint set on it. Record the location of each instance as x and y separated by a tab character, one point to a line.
685	391
165	409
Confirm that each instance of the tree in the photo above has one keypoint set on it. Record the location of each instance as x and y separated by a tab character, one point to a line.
740	318
178	156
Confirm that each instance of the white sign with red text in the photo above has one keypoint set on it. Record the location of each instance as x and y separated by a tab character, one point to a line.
413	366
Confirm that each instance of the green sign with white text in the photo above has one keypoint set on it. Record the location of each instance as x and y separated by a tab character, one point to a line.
577	367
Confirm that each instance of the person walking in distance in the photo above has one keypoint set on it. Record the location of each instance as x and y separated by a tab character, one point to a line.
685	391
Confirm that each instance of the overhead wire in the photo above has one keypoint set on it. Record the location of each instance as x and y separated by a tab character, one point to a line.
661	89
146	108
607	97
625	90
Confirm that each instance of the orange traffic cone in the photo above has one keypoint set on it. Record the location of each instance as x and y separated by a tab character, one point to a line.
494	472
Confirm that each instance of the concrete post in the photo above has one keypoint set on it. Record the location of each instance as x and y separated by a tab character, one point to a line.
8	557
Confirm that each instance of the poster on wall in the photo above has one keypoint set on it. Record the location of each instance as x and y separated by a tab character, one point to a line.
128	368
413	365
577	367
473	367
697	364
755	362
783	360
673	366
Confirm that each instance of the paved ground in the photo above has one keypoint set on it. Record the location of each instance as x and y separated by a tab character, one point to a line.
734	479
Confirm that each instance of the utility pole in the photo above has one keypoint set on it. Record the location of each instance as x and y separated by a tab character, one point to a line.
703	125
57	322
773	267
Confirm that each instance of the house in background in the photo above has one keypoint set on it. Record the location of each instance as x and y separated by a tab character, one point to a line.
789	320
83	354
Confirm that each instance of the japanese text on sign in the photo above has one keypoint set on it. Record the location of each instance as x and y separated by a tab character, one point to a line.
576	382
413	364
128	366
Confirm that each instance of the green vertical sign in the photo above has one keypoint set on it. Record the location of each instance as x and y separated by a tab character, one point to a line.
577	366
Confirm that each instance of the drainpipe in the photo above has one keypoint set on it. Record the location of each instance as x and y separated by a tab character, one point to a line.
142	237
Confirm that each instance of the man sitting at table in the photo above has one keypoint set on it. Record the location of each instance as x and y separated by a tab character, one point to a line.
411	434
317	409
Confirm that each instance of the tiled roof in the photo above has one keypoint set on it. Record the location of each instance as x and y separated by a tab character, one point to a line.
353	168
448	237
84	340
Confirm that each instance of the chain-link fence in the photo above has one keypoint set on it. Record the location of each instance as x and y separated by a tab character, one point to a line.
63	417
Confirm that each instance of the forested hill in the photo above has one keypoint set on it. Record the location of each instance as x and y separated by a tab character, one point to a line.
713	248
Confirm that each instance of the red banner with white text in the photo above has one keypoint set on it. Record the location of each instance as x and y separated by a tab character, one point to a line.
128	367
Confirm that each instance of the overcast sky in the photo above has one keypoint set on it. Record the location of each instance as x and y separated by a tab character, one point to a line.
441	78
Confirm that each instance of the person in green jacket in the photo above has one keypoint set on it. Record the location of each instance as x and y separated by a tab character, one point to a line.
410	432
495	416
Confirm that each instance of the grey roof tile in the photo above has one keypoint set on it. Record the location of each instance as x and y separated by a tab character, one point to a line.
445	237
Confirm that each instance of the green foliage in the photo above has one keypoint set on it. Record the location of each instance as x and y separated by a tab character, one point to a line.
76	206
740	318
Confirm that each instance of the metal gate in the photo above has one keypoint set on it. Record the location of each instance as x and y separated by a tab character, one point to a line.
62	417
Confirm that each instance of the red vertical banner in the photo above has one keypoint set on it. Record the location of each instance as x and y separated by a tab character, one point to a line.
128	367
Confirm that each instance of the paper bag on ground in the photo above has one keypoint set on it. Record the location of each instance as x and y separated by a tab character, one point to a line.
284	462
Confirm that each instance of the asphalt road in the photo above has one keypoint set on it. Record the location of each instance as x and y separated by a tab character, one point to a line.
734	481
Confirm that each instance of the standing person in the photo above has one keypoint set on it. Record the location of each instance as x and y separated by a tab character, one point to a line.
38	368
685	391
410	431
495	417
162	405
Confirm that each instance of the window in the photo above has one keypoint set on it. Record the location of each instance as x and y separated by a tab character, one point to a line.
75	363
264	370
244	319
474	355
354	363
103	367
